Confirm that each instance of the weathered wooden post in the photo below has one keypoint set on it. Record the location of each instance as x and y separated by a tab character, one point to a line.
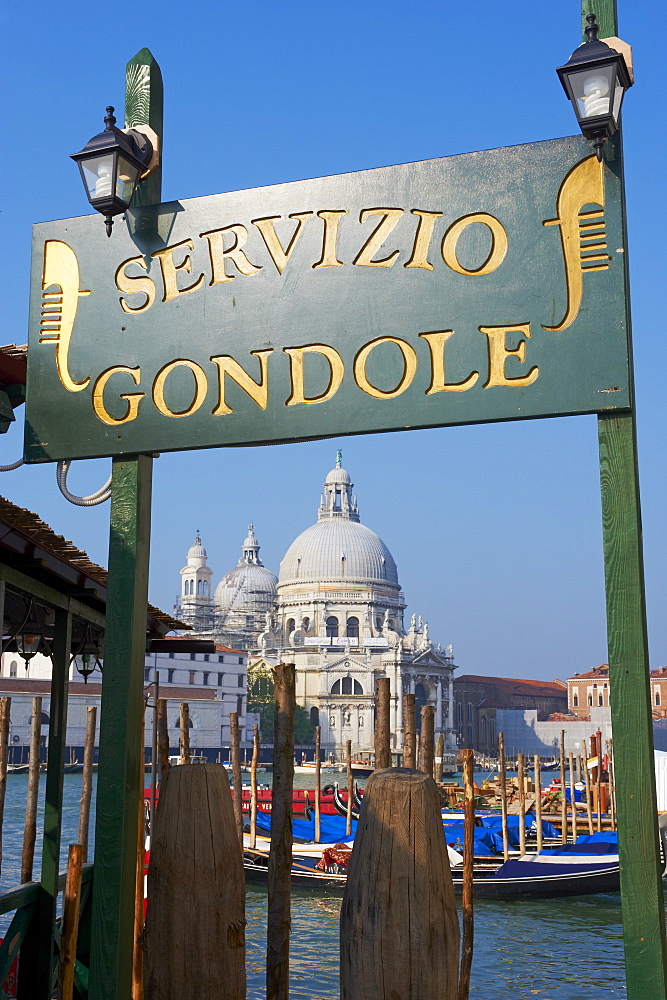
253	785
409	732
439	754
399	927
30	830
382	724
538	800
563	798
5	709
468	857
521	768
70	928
163	736
195	923
184	740
587	777
350	787
428	739
237	780
570	760
598	750
318	783
280	853
87	779
503	793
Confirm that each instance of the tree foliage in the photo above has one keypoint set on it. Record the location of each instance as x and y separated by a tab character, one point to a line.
260	700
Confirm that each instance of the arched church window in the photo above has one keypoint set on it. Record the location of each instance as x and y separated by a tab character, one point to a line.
357	688
347	685
198	588
205	588
332	627
353	628
290	625
336	688
306	624
314	716
378	621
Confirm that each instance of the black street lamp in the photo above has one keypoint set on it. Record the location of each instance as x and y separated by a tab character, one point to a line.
595	79
112	163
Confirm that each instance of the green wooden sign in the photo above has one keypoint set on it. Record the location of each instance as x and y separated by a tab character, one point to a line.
487	286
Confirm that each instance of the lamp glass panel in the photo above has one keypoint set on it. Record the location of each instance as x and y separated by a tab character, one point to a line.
618	97
98	176
127	178
593	90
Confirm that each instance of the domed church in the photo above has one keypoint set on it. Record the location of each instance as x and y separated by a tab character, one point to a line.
339	618
336	611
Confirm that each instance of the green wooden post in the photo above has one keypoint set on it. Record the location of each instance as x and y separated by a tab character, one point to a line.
121	731
35	980
629	679
121	720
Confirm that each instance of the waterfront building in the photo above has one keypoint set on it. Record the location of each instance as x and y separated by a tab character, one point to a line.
478	699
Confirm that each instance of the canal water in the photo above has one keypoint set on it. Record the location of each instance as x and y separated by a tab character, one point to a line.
568	949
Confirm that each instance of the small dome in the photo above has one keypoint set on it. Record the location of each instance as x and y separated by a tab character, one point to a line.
337	475
248	587
197	550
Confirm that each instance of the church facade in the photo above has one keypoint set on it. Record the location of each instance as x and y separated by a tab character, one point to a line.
337	612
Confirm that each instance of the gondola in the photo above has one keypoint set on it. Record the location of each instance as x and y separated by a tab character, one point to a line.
530	877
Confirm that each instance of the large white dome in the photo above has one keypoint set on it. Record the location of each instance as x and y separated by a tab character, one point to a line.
338	548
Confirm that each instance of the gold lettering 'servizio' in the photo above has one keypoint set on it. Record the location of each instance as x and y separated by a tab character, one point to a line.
390	217
498	244
170	270
139	284
218	254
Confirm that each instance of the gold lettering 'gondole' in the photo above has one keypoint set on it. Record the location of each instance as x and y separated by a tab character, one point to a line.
503	370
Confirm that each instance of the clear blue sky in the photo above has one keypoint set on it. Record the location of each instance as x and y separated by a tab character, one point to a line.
496	529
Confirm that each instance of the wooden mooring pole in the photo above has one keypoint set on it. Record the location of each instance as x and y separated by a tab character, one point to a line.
439	754
87	779
382	724
70	926
563	799
318	784
587	779
5	709
195	922
521	768
280	853
503	793
428	739
162	737
184	742
350	787
538	800
468	858
399	933
237	779
573	804
30	830
253	785
409	732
